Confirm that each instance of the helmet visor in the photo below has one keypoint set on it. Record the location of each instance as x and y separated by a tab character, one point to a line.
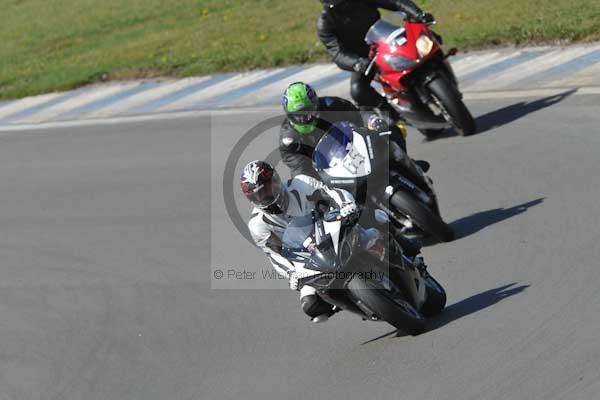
268	193
303	117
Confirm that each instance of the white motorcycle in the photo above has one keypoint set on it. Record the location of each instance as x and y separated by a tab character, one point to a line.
362	271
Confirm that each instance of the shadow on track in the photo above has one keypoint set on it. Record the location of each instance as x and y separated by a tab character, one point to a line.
474	223
508	114
465	307
475	304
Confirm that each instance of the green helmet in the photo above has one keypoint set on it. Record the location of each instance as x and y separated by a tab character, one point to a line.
301	104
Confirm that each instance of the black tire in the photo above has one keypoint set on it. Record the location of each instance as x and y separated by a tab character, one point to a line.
425	219
388	306
450	99
436	298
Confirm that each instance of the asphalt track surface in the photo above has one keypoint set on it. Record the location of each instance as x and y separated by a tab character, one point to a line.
110	237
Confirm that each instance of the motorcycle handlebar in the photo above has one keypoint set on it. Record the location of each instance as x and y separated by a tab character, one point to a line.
371	66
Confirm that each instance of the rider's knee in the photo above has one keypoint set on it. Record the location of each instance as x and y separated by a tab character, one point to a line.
313	306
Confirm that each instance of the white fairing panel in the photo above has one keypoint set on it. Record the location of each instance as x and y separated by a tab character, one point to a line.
356	164
333	229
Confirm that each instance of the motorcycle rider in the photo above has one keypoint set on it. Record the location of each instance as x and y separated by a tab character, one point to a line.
275	203
308	117
342	26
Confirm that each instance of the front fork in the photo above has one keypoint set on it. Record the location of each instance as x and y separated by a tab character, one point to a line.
440	68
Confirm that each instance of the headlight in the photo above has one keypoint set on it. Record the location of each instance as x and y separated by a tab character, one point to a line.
398	62
424	45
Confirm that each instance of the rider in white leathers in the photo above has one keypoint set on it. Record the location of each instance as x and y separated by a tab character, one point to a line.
275	204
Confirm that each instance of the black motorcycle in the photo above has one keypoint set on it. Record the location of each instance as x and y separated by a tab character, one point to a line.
360	161
362	271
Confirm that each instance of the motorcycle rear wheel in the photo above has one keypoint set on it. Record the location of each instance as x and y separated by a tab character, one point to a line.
425	219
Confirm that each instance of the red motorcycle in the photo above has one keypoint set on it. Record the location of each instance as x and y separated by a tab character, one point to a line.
416	77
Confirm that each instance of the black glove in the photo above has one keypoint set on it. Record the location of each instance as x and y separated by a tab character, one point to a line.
378	124
427	18
361	65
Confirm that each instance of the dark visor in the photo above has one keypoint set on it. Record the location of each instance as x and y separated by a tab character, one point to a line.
303	117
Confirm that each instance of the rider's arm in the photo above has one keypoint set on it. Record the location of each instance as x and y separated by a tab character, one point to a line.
406	6
342	58
336	109
332	103
317	192
270	244
296	156
298	163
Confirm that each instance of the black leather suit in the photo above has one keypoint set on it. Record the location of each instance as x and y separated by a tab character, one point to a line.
297	149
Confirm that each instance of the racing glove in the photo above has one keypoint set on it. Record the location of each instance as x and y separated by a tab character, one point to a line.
427	18
361	65
348	209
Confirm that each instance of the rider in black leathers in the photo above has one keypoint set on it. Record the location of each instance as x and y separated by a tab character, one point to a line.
296	149
342	26
297	140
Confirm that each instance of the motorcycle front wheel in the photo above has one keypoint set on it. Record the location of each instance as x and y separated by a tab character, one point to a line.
436	297
387	305
452	106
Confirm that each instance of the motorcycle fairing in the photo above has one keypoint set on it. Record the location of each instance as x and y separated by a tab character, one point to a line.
341	156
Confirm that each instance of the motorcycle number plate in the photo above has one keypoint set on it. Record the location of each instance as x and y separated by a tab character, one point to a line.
356	163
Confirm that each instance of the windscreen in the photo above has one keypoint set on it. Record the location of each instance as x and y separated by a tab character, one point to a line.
332	149
390	28
297	231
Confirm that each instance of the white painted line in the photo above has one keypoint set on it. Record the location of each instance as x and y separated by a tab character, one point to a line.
137	118
486	62
25	103
146	96
270	109
470	62
86	97
523	71
232	83
589	76
277	88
